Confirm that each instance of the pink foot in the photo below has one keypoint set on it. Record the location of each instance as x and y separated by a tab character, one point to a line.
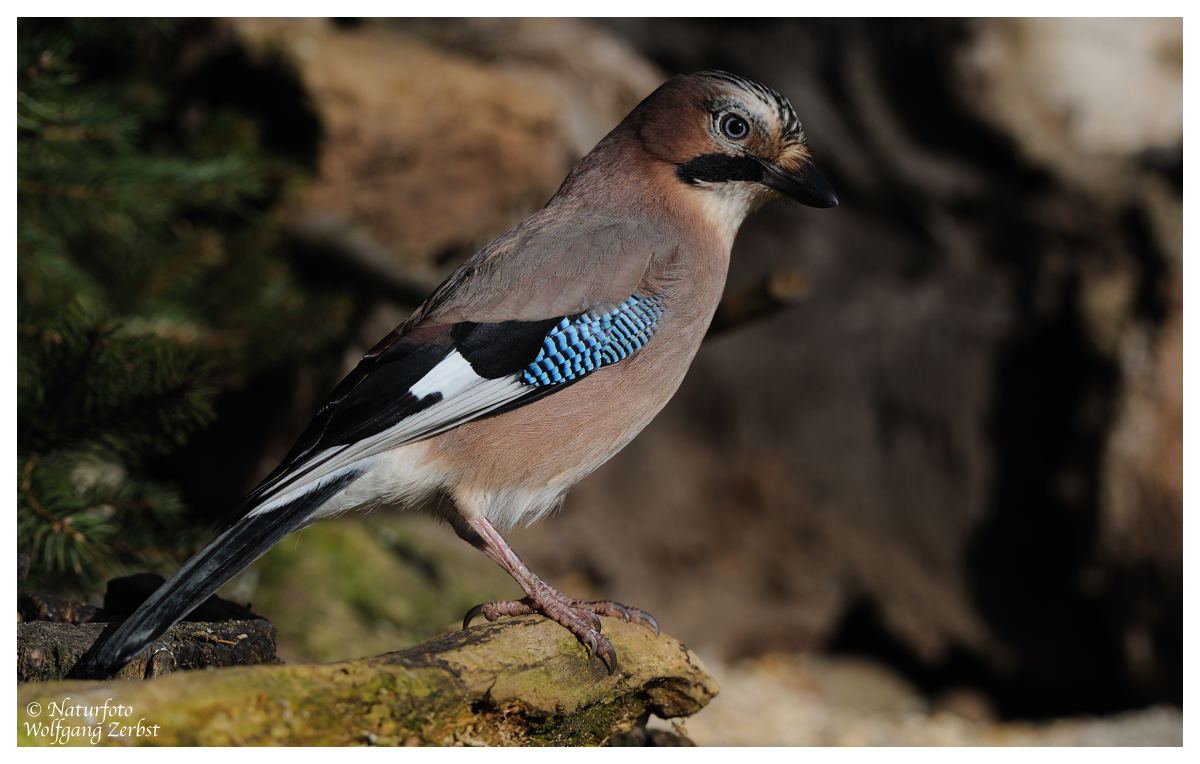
577	616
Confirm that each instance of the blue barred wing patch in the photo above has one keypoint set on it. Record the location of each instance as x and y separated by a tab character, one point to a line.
581	344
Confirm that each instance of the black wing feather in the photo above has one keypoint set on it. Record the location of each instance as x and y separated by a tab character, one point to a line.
499	349
375	395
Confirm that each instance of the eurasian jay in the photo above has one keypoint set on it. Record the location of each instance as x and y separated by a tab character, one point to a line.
537	360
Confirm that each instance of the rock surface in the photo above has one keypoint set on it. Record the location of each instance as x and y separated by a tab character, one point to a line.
522	681
47	650
439	136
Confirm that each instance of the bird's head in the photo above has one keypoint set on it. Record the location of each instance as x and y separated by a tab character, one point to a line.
731	141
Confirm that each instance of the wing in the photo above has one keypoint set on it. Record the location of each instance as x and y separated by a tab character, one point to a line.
422	382
478	345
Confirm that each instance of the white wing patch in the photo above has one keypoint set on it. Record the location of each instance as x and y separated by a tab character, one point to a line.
465	396
452	375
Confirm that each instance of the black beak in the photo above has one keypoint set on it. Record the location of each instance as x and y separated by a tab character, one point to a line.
807	186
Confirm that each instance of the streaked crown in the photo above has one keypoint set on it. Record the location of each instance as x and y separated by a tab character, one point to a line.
789	123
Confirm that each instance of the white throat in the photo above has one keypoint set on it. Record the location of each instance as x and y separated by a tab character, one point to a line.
726	205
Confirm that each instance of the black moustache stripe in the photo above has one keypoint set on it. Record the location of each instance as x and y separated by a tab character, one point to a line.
719	168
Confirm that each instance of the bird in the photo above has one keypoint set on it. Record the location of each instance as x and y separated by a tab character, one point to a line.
535	361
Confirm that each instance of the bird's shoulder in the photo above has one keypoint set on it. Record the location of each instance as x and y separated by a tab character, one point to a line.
551	265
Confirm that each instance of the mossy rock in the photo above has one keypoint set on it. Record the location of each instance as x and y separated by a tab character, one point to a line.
520	681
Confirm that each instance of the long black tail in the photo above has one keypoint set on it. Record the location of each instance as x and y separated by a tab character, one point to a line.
201	576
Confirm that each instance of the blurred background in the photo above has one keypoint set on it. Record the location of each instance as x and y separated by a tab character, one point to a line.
937	497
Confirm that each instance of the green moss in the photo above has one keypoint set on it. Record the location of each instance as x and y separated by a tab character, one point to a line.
592	725
518	682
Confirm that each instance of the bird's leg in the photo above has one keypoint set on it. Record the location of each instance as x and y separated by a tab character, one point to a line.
576	616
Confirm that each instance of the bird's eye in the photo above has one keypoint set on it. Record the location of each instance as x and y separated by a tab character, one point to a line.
734	127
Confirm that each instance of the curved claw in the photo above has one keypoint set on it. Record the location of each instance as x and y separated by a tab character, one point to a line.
472	614
608	656
624	611
594	644
596	622
590	644
646	619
